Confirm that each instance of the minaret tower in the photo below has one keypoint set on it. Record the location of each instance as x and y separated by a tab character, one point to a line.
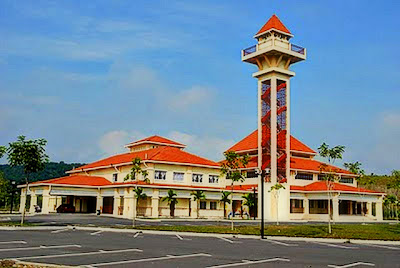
273	55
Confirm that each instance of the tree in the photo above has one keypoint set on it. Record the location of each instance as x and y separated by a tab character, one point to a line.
4	190
197	196
275	190
3	150
354	168
225	199
249	201
330	154
136	170
391	201
31	155
172	201
231	168
140	195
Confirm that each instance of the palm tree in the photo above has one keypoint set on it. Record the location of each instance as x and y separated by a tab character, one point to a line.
225	199
392	200
172	201
140	195
249	201
330	154
197	196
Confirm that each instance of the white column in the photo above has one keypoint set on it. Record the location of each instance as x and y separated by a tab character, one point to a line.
22	199
259	147
379	210
129	203
117	200
193	205
99	203
154	203
46	201
288	130
33	202
335	208
306	205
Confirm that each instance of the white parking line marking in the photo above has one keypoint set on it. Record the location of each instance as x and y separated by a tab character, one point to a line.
12	242
179	237
381	246
247	262
59	231
40	247
334	245
81	254
96	233
279	243
150	259
229	241
351	265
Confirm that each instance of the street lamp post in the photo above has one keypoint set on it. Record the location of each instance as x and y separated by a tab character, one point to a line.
12	195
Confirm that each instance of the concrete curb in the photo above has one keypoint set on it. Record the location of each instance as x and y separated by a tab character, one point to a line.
192	234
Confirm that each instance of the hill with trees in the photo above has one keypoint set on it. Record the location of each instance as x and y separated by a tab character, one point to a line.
50	171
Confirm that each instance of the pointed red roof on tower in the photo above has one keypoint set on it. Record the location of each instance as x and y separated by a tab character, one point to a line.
274	23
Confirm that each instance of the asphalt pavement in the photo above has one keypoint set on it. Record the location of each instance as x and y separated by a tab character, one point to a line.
83	248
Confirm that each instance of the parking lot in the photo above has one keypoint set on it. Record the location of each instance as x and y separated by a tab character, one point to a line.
106	249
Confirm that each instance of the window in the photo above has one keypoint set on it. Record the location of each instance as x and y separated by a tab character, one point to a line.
213	205
115	177
178	176
321	177
160	175
197	178
374	209
318	206
296	206
304	176
203	205
346	180
213	179
251	174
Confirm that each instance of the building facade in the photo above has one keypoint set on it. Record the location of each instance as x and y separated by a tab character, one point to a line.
276	158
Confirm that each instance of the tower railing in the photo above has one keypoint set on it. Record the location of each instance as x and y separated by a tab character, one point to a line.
297	49
293	47
249	50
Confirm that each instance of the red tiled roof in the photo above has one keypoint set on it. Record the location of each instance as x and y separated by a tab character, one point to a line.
320	186
251	142
160	154
274	23
306	164
157	139
244	187
314	165
77	180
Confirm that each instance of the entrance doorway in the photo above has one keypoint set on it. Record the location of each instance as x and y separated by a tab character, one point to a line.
108	205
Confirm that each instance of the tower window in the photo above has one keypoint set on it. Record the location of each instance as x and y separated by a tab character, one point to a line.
115	177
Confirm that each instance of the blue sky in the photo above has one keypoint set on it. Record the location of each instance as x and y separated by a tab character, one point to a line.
91	76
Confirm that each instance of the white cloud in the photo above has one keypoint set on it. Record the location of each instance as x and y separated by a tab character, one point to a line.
205	146
187	98
113	142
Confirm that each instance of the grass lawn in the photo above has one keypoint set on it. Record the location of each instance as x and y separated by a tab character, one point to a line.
344	231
